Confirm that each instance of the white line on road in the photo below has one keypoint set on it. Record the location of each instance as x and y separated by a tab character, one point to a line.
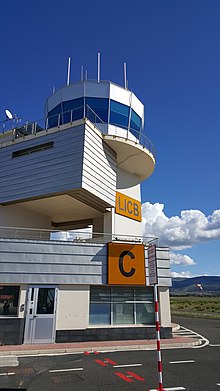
217	384
7	374
127	365
170	389
181	362
215	345
66	370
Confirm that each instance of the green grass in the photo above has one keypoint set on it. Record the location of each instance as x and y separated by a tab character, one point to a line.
201	307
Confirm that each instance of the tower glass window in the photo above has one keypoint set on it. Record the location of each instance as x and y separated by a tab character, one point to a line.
135	121
119	114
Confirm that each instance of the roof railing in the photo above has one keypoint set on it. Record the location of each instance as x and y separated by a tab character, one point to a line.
21	128
72	236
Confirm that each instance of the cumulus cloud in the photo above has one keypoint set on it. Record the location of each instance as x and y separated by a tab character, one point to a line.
181	260
180	232
181	274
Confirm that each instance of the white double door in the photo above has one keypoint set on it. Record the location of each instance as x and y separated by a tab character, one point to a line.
41	314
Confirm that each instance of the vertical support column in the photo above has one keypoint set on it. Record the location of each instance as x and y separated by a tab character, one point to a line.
157	322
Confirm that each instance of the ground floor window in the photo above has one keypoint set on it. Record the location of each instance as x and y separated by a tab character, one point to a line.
121	305
9	300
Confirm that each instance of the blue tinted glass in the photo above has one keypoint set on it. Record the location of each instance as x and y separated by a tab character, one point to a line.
53	116
135	121
99	313
72	104
119	114
99	106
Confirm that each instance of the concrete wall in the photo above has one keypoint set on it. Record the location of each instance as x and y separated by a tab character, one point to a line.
17	216
164	306
72	307
127	184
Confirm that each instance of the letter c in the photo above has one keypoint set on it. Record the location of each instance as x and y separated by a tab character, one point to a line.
121	268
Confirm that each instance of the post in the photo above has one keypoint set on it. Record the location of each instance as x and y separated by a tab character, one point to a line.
157	322
98	67
125	75
68	72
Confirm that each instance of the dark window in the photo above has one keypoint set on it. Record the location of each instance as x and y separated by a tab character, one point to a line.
36	148
100	107
9	300
119	114
45	302
121	305
54	116
135	121
72	110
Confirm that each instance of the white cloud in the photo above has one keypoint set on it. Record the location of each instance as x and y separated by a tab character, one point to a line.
179	232
181	260
181	274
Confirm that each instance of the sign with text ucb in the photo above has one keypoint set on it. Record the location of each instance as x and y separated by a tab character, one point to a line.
127	206
126	264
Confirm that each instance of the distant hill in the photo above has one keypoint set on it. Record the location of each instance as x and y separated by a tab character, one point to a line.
210	284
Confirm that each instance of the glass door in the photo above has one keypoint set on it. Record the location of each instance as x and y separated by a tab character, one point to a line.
41	315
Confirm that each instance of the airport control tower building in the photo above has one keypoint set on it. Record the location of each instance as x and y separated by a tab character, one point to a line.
79	168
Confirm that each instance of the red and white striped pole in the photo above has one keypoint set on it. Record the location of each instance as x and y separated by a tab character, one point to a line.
159	358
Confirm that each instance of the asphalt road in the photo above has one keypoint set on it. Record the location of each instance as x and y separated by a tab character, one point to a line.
183	369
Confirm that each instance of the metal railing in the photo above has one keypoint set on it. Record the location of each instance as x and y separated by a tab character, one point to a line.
22	128
83	236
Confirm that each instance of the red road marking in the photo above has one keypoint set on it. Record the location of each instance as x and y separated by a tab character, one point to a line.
101	363
136	376
96	353
110	361
86	353
125	378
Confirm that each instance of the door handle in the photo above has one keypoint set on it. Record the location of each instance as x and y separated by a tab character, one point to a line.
35	316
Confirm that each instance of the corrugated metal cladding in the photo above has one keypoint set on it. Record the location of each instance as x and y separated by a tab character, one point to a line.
36	262
59	169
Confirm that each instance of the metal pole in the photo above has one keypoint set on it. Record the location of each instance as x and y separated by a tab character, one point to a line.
98	67
68	72
125	75
157	322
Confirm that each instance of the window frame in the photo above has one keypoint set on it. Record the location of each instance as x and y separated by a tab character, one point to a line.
112	302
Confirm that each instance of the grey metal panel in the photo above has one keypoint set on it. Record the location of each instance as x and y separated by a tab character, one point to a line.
99	166
39	169
48	262
163	263
164	273
164	281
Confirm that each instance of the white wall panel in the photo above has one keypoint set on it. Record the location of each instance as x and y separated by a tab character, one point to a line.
35	262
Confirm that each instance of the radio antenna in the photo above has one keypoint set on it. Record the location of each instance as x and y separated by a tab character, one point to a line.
125	76
82	72
99	62
68	72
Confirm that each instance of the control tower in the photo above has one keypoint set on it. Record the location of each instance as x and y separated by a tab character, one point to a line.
86	166
79	167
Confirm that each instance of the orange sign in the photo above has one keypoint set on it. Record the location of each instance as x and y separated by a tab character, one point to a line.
126	264
127	206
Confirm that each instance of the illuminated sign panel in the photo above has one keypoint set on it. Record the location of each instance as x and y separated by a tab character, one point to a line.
128	207
126	264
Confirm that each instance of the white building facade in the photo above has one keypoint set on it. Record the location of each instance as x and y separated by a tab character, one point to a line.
80	168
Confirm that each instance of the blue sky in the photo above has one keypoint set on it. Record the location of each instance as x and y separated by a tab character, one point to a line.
172	50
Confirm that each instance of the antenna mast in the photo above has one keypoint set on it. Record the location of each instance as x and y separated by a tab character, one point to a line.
99	60
125	76
68	72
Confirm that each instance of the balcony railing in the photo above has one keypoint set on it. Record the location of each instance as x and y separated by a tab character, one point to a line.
82	236
22	128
